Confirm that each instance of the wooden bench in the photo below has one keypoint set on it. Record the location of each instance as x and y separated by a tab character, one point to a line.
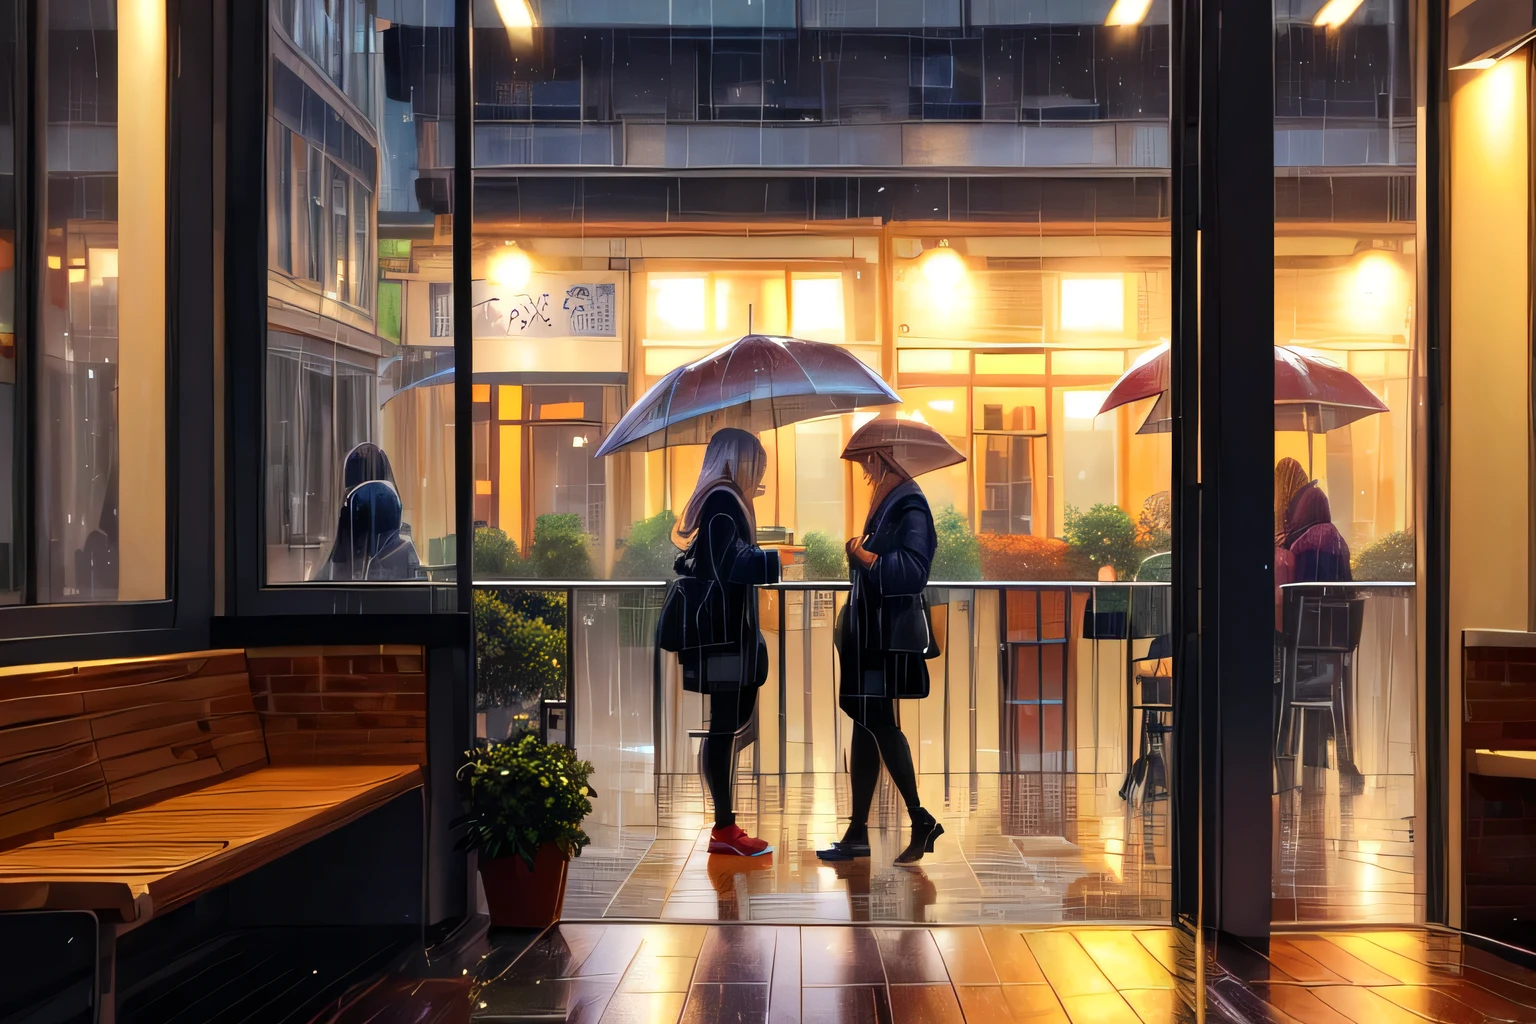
133	788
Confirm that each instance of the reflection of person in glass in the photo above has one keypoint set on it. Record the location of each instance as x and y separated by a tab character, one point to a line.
720	528
886	635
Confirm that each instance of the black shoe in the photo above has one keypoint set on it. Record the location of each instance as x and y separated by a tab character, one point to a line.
925	829
854	844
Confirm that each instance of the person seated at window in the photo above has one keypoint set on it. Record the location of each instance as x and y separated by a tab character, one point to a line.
1318	551
1290	478
368	462
369	545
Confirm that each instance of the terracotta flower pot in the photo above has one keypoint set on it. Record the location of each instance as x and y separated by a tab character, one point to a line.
520	898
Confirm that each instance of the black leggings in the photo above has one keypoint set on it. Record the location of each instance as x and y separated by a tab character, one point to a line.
877	737
729	710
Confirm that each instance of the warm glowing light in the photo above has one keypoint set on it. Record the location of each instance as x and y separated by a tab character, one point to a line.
509	269
722	304
943	268
515	14
942	405
818	308
1476	65
1376	286
1130	12
76	275
1095	304
1083	405
679	302
861	418
55	263
1336	12
578	441
103	263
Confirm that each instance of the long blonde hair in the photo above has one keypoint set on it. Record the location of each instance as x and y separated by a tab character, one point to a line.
1290	478
735	461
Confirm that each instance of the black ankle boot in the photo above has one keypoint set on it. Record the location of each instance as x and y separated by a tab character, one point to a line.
854	844
925	829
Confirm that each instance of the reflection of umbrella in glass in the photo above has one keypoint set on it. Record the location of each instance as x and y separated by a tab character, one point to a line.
1311	394
756	383
916	447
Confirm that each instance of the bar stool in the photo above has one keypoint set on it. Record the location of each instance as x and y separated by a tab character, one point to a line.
1152	695
1322	636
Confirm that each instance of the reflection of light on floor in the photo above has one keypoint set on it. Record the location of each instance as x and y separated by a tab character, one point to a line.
1113	832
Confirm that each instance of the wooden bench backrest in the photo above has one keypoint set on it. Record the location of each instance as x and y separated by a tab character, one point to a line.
82	740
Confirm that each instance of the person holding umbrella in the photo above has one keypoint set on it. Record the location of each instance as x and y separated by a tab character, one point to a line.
885	634
719	534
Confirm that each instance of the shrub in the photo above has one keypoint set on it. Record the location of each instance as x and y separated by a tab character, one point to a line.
519	647
1021	556
825	558
520	795
959	555
1104	535
1154	530
496	554
1391	558
649	552
559	550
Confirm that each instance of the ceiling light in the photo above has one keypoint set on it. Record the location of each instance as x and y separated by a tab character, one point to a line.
1130	12
1335	13
943	267
509	269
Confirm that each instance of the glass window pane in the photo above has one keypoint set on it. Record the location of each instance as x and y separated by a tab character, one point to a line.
359	435
1347	245
101	417
10	481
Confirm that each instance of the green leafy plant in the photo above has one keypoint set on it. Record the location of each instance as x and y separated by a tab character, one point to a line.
959	553
496	554
1025	557
1392	558
522	794
560	548
519	647
649	552
1104	535
825	557
1154	529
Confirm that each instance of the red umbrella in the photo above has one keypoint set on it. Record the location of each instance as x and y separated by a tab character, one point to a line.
1311	393
916	447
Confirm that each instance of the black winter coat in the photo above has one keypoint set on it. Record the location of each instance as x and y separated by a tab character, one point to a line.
885	628
725	550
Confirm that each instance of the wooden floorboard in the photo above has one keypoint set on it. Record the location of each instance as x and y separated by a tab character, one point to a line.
966	975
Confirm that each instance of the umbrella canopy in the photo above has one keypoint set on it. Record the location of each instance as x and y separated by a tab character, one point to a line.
915	446
1311	394
756	383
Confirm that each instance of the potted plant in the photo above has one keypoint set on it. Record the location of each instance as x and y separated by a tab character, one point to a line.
526	800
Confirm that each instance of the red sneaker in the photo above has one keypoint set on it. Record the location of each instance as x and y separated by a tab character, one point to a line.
733	841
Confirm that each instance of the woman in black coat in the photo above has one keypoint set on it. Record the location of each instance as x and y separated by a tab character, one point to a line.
887	634
720	531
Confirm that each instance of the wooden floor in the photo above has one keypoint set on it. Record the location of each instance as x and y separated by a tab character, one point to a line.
768	974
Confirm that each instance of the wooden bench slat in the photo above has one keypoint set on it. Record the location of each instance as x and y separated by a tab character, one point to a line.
22	710
251	820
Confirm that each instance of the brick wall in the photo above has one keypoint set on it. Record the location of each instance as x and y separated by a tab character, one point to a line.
1499	820
355	705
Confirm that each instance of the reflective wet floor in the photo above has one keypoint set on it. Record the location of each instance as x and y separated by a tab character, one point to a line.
773	974
1021	849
